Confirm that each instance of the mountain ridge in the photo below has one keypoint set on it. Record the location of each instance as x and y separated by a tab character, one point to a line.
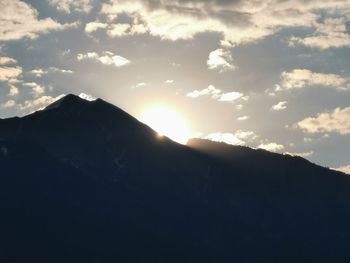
85	181
74	100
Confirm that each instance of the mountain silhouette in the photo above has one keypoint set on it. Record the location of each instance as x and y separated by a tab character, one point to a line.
83	181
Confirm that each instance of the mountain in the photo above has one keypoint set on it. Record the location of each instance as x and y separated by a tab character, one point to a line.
84	181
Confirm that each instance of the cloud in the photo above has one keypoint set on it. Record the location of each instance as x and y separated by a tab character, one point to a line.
229	96
239	138
228	138
18	20
344	169
273	91
39	103
220	59
7	61
243	118
272	147
107	58
94	26
238	21
282	105
337	121
332	33
13	91
8	104
39	72
301	78
36	88
216	94
301	154
211	90
68	6
10	74
117	29
246	135
169	81
139	85
60	70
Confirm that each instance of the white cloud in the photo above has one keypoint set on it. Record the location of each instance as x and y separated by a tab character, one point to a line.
139	85
7	61
243	118
9	104
301	154
272	147
337	121
13	91
229	96
282	105
88	55
18	20
94	26
228	138
220	59
39	103
36	88
60	70
344	169
273	91
332	33
246	135
301	78
10	74
66	52
239	138
107	58
39	72
211	90
68	6
169	81
216	94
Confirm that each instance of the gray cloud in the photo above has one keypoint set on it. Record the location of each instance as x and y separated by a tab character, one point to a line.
238	21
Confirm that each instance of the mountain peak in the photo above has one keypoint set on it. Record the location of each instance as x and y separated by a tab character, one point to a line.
69	99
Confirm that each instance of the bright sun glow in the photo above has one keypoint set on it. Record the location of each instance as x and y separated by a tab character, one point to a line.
166	122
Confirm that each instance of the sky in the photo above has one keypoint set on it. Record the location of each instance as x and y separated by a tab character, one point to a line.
269	74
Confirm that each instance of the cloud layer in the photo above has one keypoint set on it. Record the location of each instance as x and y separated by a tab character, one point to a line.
238	21
18	20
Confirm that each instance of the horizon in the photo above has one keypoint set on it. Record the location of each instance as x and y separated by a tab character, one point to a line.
273	75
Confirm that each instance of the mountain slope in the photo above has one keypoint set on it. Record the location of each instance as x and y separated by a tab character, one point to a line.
86	182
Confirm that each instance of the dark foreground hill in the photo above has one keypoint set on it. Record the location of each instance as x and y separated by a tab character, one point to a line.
86	182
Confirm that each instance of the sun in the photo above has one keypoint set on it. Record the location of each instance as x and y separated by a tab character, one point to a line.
166	122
